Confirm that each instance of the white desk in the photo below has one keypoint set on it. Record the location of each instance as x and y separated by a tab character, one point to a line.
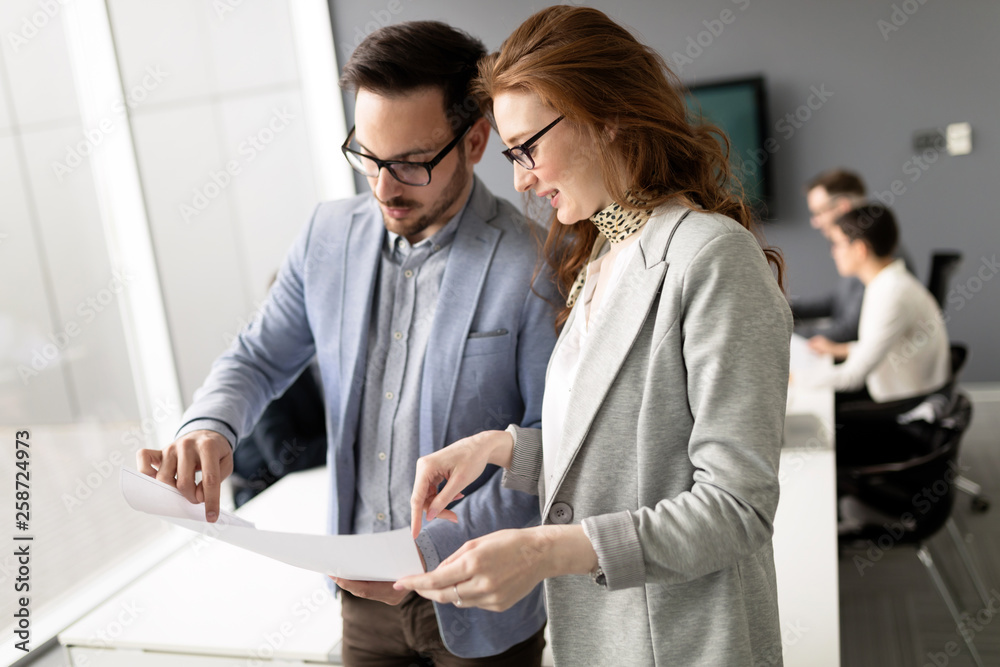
805	527
214	605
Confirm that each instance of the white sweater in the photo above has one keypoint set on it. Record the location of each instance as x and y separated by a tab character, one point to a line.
902	347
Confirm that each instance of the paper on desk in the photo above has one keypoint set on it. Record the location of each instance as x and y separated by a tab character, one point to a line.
373	557
801	356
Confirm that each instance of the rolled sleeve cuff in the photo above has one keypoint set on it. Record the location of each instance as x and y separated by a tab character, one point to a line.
525	460
206	424
619	552
428	550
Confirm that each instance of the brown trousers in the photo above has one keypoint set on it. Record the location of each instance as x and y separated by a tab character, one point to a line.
407	635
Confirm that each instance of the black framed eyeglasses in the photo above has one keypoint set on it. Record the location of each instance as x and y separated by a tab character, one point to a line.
830	204
408	173
522	153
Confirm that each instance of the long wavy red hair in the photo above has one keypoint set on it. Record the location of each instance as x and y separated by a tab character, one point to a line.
589	68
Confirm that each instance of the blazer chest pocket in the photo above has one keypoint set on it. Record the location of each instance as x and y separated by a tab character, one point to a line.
487	342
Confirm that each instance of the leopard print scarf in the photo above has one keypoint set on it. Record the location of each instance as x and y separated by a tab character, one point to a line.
615	224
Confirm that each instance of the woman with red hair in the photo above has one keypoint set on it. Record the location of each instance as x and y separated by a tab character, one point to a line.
656	465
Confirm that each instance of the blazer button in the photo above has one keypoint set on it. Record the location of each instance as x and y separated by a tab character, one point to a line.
560	513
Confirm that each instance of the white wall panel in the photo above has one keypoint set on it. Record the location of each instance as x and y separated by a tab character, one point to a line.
250	45
86	291
197	247
38	67
39	390
169	34
5	119
274	192
224	155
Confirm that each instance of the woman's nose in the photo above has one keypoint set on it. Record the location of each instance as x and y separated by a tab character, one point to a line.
523	178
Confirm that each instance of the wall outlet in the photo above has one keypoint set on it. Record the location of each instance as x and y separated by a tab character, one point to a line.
959	138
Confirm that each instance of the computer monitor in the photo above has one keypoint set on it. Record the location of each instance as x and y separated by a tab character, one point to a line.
739	108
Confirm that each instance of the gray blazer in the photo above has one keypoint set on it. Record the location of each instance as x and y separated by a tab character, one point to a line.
670	456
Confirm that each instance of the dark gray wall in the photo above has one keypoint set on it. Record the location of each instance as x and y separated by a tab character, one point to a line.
940	66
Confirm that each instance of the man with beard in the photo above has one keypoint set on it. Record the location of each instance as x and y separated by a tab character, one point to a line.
421	304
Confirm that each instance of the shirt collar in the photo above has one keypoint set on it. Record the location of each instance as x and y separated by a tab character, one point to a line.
894	267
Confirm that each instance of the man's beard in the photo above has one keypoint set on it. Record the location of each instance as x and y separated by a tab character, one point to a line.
448	197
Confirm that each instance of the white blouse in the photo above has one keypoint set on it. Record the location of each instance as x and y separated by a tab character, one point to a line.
902	347
566	357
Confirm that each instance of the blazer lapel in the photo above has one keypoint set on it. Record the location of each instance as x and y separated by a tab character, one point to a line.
611	338
468	263
362	256
358	266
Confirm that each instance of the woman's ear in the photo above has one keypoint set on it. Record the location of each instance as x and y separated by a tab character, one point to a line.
611	128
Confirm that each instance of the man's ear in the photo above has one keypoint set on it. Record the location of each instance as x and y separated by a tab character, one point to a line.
476	140
865	250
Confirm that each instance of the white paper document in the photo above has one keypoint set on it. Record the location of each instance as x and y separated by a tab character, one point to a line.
801	357
384	556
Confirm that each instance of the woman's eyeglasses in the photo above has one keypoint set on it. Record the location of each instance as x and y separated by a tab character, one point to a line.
521	153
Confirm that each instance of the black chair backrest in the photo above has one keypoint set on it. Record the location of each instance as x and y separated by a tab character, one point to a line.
959	355
920	491
943	267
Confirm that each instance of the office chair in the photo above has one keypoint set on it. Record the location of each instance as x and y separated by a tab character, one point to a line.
980	501
943	267
944	264
894	489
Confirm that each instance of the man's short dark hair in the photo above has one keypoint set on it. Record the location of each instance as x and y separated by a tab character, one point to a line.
873	224
402	58
838	182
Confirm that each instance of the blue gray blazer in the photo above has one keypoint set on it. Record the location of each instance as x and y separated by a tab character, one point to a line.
321	305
